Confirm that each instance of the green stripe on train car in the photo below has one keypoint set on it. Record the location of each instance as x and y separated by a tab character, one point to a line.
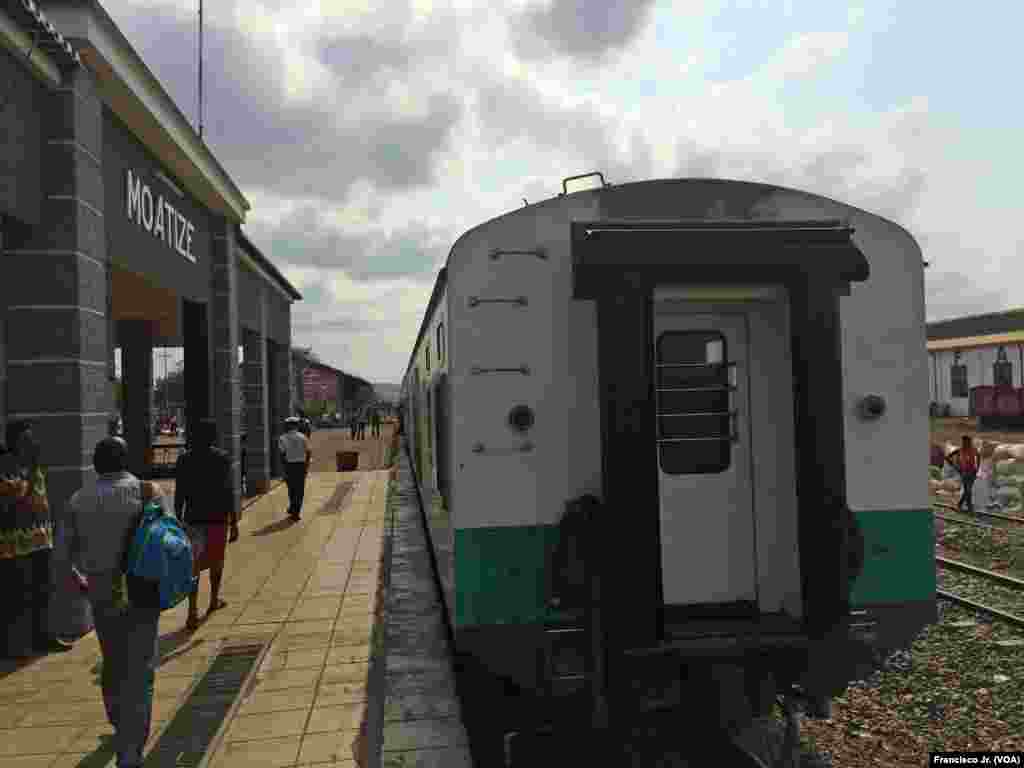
500	571
899	562
500	574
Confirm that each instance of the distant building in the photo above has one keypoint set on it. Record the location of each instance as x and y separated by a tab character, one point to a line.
315	382
968	352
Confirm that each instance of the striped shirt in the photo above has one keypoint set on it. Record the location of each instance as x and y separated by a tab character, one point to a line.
101	515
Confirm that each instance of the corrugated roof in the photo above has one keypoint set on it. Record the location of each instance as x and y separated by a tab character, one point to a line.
29	10
989	324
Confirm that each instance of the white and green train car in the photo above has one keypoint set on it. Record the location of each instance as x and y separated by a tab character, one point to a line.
733	379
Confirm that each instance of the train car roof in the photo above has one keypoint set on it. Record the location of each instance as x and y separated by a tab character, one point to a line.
743	189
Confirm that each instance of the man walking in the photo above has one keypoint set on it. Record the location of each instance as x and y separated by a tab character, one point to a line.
102	515
296	457
203	489
375	422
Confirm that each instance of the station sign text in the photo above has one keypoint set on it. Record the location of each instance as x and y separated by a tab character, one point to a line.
159	218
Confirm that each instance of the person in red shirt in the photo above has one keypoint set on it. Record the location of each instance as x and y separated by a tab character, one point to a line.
967	463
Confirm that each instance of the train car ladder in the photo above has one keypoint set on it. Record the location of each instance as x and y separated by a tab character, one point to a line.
584	631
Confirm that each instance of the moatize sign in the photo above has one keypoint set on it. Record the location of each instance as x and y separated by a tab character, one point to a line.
159	217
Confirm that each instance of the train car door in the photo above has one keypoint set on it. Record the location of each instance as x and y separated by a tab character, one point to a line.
704	461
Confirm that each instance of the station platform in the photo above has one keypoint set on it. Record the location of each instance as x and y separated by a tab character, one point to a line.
330	652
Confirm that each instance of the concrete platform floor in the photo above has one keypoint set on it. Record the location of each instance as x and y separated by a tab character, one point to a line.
308	589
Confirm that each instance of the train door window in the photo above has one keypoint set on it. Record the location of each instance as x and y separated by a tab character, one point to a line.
440	344
958	379
1002	369
693	382
428	354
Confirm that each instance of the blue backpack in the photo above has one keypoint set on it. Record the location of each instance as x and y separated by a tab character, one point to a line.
159	554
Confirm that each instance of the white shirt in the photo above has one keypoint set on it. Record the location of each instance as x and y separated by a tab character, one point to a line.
293	445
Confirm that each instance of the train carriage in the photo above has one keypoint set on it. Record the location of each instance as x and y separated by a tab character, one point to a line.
703	404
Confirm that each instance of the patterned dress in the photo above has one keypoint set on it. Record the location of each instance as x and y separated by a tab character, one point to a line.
26	525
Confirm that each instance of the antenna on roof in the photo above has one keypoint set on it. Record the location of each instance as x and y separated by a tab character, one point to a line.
200	69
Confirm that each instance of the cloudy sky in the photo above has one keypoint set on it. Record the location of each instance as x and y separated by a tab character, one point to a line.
369	134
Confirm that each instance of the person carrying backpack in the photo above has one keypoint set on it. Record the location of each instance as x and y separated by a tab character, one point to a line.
203	492
103	517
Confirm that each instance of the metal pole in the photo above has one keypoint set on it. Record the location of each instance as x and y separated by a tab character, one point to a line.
200	69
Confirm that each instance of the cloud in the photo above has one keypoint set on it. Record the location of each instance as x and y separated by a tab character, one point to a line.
306	239
369	136
806	54
321	140
583	29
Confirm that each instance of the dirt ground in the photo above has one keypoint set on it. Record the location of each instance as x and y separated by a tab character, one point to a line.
953	429
373	453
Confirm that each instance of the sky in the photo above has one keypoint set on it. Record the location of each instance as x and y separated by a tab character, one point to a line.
369	134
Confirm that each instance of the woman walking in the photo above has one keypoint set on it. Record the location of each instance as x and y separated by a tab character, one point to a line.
26	546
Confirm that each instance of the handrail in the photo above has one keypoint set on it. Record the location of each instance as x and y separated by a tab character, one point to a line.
476	301
477	370
540	253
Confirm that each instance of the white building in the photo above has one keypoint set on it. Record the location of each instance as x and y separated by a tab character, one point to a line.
981	350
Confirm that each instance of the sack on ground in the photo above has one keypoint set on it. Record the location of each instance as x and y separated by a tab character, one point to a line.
981	493
160	553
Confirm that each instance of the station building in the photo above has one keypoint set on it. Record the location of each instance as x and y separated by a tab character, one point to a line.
317	382
975	351
119	229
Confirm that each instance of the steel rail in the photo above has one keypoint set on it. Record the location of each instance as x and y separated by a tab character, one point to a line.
996	515
1017	621
956	565
961	521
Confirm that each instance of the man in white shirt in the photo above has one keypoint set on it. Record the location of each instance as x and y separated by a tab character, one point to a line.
295	456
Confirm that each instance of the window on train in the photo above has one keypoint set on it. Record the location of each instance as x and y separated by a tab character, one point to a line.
428	354
440	343
693	385
958	380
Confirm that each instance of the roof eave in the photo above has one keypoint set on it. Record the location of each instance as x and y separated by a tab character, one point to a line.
131	90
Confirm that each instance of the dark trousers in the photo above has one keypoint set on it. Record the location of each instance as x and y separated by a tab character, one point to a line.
966	500
295	477
26	603
130	657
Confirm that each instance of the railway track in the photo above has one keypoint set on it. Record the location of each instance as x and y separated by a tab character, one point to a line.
1009	618
963	521
994	515
997	578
